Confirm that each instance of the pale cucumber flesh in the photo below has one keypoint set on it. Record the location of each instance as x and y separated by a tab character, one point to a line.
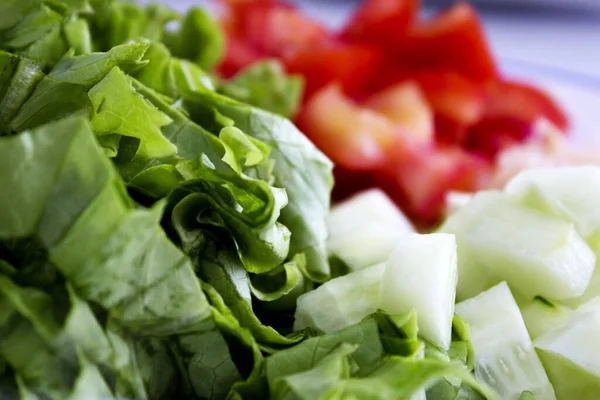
541	315
421	274
504	355
572	192
341	302
537	254
365	229
472	276
571	353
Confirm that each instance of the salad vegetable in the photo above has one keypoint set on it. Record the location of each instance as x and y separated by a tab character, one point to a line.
417	107
164	234
158	228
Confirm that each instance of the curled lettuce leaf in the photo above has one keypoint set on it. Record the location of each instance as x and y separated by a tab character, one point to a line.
118	258
64	91
302	169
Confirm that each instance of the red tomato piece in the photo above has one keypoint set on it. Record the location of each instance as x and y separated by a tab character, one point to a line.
350	65
491	135
424	175
354	137
405	105
524	103
453	40
274	27
452	96
381	20
510	116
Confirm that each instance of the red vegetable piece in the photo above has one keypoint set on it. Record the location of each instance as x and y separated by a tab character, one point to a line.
381	21
454	40
452	96
350	65
524	103
424	175
353	137
405	105
276	27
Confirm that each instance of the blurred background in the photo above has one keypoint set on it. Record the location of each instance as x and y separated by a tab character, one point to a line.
551	42
560	33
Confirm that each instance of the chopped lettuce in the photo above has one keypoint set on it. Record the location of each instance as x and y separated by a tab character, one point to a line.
265	85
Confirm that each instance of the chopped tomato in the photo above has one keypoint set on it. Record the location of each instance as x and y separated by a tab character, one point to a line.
381	20
524	103
452	95
426	174
510	115
449	132
350	65
405	105
354	137
417	108
275	27
494	134
454	40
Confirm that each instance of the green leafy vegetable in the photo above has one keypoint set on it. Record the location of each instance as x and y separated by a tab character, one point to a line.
265	85
198	27
160	227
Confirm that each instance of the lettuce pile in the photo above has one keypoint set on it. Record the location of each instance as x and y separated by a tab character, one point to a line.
157	224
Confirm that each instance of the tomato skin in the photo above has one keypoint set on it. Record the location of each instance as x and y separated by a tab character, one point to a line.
523	102
405	105
424	175
453	40
263	29
276	27
380	21
353	137
349	65
452	95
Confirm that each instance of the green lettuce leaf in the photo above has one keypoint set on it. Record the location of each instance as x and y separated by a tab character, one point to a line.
302	169
64	91
117	22
37	36
199	39
118	109
49	364
265	85
18	79
400	377
85	220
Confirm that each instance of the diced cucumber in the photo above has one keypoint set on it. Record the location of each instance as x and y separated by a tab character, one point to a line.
364	230
568	192
341	302
421	274
592	291
504	355
536	253
541	315
472	276
457	200
571	353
